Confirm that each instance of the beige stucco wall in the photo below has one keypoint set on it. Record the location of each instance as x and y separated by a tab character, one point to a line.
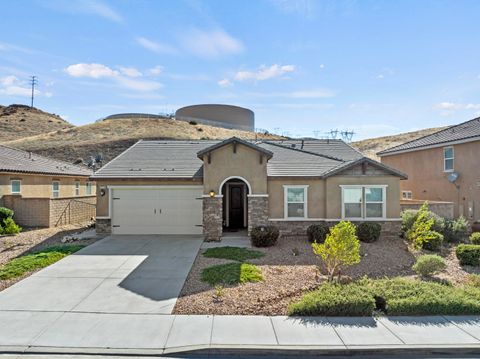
334	193
316	205
40	186
102	201
428	181
244	163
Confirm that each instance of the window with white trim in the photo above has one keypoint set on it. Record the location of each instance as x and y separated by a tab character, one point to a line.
15	186
406	194
88	188
55	189
295	201
77	188
448	159
361	202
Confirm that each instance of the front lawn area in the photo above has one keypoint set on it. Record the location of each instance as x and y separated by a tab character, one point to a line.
31	262
233	253
397	296
231	273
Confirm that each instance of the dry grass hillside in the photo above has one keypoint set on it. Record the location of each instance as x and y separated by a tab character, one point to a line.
111	137
17	121
371	146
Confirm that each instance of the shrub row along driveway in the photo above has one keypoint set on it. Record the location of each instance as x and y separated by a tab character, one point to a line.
119	274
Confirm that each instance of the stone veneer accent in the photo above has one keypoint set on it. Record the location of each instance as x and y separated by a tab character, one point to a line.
103	225
257	212
212	218
443	209
299	228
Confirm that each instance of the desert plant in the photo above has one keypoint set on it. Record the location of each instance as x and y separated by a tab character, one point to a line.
5	213
456	230
429	264
264	236
468	254
369	231
193	123
317	233
409	217
10	227
341	248
473	280
422	234
475	238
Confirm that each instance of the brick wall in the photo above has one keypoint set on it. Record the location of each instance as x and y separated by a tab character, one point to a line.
212	218
103	225
257	212
47	212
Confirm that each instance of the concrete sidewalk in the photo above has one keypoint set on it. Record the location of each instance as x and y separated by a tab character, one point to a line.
156	334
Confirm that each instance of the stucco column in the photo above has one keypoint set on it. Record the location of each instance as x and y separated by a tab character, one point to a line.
212	218
257	212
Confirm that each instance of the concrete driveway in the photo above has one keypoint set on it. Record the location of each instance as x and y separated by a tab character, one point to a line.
119	274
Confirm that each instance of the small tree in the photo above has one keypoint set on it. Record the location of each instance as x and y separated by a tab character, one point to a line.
341	248
421	232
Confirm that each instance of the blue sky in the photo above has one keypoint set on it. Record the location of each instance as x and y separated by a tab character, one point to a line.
304	67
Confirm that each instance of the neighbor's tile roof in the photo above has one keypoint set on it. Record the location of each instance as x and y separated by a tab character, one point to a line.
14	160
178	159
465	131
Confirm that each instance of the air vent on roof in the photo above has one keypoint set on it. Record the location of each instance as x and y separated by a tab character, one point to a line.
169	169
135	169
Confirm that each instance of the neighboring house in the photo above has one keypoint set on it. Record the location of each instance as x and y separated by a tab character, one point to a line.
44	192
443	166
195	187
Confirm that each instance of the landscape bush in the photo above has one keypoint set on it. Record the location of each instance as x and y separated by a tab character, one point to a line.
456	230
408	219
396	296
5	213
475	238
473	280
340	249
429	264
10	227
409	216
422	233
193	123
317	233
264	236
369	232
468	254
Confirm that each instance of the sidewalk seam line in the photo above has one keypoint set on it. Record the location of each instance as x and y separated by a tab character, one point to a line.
449	321
169	331
335	330
391	331
273	328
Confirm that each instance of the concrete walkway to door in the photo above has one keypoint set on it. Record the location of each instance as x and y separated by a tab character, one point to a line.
119	274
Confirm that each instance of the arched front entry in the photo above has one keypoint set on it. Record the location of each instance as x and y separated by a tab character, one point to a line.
234	192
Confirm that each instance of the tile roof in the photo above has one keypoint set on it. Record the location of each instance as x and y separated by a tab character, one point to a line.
14	160
178	159
469	130
234	140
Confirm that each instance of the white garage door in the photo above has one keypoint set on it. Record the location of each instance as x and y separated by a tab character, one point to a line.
157	210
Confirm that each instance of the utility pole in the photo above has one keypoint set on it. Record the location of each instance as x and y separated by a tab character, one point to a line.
33	82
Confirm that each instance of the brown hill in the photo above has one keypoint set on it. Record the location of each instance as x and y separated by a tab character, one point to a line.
111	137
18	121
371	146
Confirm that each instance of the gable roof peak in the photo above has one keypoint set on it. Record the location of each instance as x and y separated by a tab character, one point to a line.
234	140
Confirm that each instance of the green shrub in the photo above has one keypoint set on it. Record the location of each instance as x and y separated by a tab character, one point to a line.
456	230
408	219
473	280
231	273
5	213
369	231
431	240
341	248
233	253
422	233
193	123
335	299
468	254
429	264
317	233
264	236
475	238
10	227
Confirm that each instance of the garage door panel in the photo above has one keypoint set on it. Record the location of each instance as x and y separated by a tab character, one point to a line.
157	211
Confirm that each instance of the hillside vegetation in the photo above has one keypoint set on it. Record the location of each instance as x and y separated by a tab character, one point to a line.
17	121
111	137
371	146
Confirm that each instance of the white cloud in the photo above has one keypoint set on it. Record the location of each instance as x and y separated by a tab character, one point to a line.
155	46
452	106
155	71
211	44
225	83
124	77
88	7
305	94
10	47
12	86
93	70
264	73
103	10
322	66
8	80
130	71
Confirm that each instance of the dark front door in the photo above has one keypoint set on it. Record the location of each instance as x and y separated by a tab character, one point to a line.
236	205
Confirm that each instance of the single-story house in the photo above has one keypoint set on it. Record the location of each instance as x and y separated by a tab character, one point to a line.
195	187
44	192
442	167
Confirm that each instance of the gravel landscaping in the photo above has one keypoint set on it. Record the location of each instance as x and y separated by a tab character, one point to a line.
34	240
289	269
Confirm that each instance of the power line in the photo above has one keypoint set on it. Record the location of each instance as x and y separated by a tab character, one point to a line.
33	82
